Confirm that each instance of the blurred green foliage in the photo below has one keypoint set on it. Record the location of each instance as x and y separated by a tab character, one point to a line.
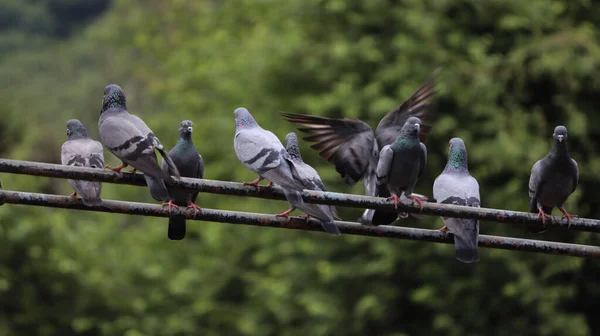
510	71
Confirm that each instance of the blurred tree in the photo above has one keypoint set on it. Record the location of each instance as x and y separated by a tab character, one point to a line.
510	72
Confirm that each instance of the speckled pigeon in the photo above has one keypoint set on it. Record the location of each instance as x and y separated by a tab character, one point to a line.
353	148
261	151
311	181
552	180
456	186
190	164
129	138
82	151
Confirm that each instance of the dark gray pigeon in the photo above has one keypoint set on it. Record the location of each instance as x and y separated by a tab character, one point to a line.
129	138
311	181
190	164
552	180
400	166
353	148
456	186
261	151
82	151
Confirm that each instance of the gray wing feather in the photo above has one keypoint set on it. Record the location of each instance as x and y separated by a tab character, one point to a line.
384	165
84	153
258	150
575	176
347	143
534	185
423	161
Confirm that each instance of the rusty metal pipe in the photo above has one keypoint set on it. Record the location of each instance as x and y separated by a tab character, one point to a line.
333	198
264	220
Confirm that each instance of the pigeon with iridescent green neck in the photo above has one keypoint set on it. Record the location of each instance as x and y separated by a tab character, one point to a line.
82	151
131	140
190	164
456	186
552	180
400	166
353	147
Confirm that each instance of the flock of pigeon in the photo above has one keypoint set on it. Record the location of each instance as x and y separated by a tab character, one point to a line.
390	160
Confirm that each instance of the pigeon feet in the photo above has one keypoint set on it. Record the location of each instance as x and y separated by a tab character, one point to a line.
117	169
133	170
255	182
542	215
286	213
417	199
195	207
444	229
270	184
170	204
74	194
307	217
568	217
396	199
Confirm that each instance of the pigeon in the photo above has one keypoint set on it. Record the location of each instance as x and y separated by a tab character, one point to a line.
261	151
552	180
128	137
354	149
456	186
82	151
190	164
400	165
310	179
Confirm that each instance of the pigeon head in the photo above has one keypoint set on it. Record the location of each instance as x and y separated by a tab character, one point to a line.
291	145
76	130
457	156
114	97
560	134
243	118
411	128
185	128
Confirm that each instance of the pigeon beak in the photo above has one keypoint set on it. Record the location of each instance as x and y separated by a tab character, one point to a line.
560	138
417	126
190	129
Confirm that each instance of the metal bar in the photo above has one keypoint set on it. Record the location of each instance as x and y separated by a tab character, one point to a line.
264	220
338	199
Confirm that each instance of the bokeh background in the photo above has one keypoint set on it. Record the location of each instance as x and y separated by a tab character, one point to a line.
510	71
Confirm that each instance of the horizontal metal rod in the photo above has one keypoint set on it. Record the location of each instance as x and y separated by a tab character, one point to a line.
310	196
264	220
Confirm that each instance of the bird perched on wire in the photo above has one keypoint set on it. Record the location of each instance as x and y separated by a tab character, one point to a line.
82	151
311	180
456	186
400	166
552	180
190	164
353	147
128	137
261	151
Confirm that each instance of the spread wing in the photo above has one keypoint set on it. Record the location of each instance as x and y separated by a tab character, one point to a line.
347	143
418	105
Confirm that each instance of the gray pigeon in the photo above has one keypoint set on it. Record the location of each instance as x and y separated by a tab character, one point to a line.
190	164
311	181
552	180
261	151
129	138
400	166
353	148
82	151
456	186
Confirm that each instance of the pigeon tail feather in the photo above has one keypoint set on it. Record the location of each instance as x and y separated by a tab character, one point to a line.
177	228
